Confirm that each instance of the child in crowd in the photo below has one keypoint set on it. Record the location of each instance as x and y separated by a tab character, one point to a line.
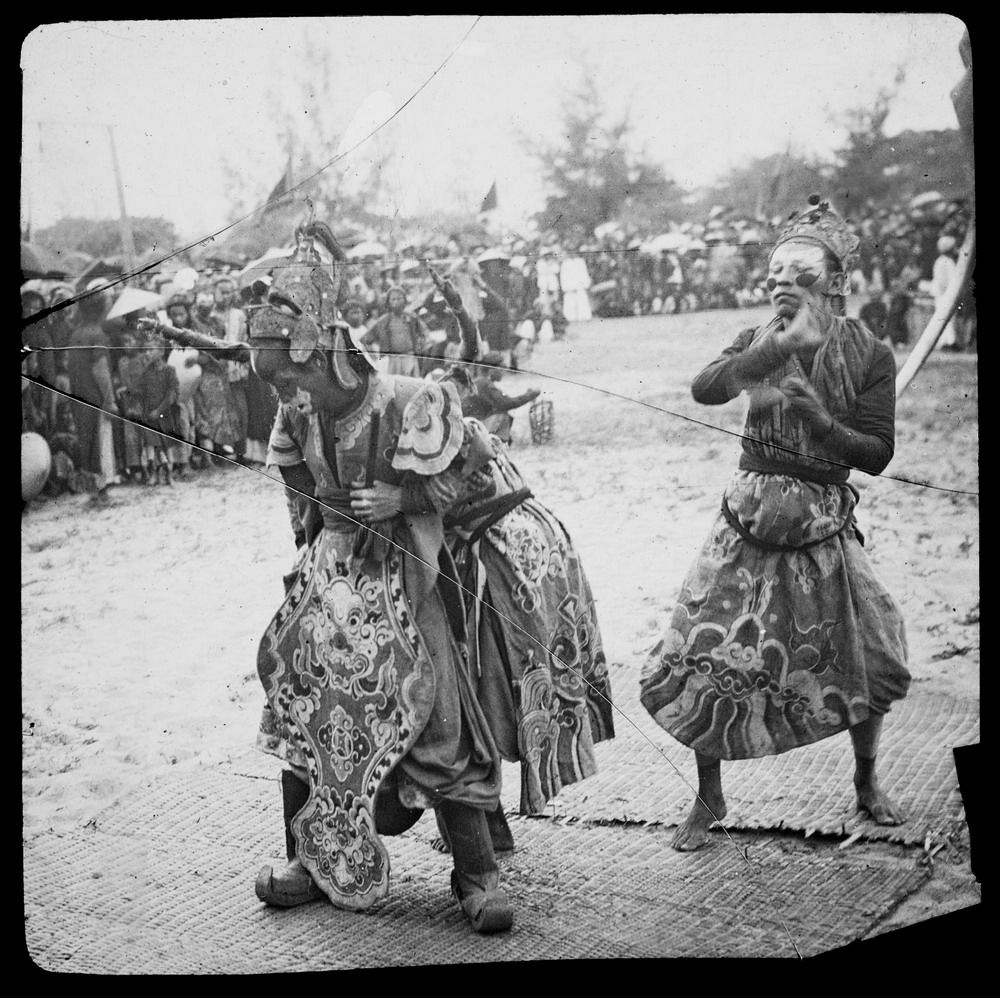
354	315
64	447
158	390
132	363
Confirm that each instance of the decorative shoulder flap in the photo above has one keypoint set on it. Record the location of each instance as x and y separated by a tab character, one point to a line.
433	430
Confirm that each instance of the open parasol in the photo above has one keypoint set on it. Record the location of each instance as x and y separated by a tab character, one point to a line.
605	229
368	249
222	256
494	253
348	238
668	242
263	265
928	198
135	300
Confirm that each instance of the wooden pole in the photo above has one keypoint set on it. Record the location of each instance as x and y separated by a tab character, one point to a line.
128	244
942	313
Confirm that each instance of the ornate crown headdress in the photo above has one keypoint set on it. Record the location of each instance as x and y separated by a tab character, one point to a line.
820	224
301	304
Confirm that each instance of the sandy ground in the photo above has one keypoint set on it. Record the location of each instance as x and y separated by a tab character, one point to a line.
140	621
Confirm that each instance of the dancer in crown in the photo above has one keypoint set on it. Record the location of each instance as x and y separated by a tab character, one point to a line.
370	699
782	635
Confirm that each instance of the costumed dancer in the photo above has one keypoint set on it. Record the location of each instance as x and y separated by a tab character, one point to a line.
370	699
535	641
782	634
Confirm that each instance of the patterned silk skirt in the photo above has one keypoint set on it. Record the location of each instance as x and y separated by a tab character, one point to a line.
367	690
782	635
543	679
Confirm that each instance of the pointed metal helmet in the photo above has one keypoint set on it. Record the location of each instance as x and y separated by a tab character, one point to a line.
302	301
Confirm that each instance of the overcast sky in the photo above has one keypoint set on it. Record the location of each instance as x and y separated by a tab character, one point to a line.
704	92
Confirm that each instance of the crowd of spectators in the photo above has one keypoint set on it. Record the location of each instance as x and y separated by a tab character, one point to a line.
906	256
723	264
185	409
521	291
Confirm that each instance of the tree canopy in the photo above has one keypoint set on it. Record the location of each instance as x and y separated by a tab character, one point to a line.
874	168
102	237
593	176
764	187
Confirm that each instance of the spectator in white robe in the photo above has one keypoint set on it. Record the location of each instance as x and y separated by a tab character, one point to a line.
574	279
547	274
941	277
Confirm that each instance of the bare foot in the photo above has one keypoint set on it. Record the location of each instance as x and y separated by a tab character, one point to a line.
694	832
873	800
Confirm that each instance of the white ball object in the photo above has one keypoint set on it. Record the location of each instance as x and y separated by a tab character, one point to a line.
36	463
187	376
186	279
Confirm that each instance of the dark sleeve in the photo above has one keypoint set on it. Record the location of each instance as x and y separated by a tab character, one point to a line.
166	390
415	498
206	360
475	405
735	368
304	512
490	293
47	369
498	401
470	333
374	334
867	439
203	339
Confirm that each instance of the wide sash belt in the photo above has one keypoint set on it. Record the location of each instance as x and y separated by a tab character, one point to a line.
734	522
336	509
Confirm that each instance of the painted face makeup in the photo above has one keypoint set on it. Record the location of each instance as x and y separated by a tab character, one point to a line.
806	280
796	272
802	262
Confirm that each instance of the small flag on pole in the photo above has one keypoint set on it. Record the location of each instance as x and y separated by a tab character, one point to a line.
280	189
490	201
